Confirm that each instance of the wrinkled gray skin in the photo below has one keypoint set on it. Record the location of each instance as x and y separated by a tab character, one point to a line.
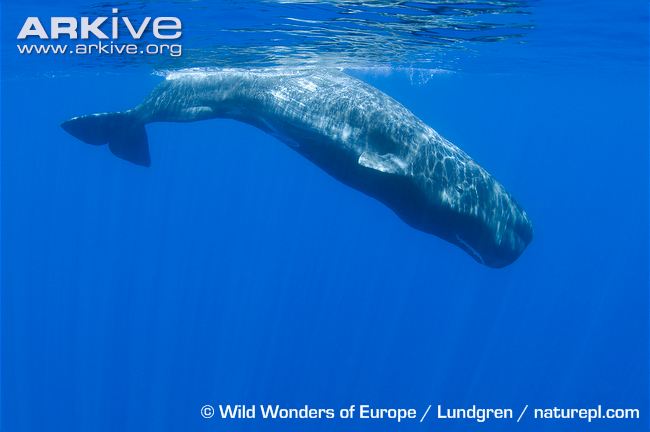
365	139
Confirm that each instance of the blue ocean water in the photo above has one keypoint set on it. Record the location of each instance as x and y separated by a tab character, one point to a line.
234	271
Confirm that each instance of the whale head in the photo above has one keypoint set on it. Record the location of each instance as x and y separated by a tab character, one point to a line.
495	243
462	204
469	208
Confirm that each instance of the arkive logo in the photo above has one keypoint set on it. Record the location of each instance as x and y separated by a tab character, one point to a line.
114	35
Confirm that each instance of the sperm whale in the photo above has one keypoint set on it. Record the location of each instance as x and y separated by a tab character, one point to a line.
354	132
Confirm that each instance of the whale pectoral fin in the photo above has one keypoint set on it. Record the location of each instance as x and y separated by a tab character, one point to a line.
386	163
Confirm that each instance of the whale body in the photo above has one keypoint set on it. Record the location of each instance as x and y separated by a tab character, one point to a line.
351	130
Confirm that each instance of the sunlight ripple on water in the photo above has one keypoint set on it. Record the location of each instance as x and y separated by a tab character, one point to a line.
350	33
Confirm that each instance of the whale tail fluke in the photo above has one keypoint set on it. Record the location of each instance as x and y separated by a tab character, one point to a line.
122	131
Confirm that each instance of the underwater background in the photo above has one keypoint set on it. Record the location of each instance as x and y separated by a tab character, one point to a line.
235	271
